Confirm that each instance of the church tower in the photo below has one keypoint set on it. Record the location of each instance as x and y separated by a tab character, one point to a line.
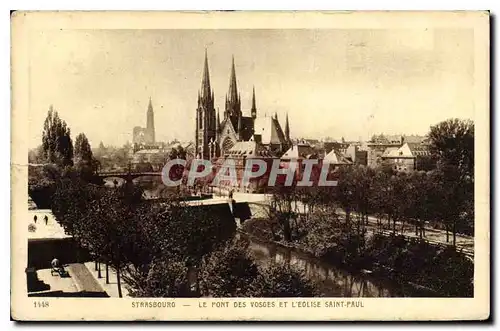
205	116
233	102
150	124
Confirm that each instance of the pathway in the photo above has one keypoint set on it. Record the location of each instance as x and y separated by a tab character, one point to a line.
434	236
83	279
112	287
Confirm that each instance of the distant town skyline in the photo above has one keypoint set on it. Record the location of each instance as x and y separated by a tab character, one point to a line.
332	83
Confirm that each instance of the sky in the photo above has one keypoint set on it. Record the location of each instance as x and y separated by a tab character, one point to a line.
349	83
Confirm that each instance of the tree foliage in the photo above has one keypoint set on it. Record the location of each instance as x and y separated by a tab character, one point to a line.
165	279
452	144
228	272
56	140
232	272
283	280
83	151
130	235
85	163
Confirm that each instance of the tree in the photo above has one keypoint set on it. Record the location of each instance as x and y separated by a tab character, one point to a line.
85	162
232	272
97	218
121	230
177	153
176	232
345	191
177	171
282	208
36	155
56	140
379	195
452	144
42	181
83	152
283	280
363	182
228	272
165	279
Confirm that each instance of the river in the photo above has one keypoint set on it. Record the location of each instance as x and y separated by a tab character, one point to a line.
332	280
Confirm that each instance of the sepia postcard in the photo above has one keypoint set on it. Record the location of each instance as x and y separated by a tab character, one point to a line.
250	166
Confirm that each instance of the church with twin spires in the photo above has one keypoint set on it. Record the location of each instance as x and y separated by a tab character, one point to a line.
216	138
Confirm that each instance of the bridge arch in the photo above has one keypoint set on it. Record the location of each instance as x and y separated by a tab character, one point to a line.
127	176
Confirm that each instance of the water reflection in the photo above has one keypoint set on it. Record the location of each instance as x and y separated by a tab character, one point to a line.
333	281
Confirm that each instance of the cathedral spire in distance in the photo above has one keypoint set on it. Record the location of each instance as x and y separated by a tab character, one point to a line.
150	123
254	107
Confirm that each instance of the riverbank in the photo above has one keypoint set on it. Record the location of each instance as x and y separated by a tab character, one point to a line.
437	271
332	280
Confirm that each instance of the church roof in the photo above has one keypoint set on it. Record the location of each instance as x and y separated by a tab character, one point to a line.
269	130
248	149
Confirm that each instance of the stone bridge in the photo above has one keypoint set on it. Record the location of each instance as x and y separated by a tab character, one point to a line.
127	175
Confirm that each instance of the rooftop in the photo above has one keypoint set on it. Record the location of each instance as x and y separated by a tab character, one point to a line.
335	157
248	149
269	130
300	151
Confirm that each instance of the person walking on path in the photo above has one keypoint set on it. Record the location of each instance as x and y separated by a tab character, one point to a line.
46	219
35	218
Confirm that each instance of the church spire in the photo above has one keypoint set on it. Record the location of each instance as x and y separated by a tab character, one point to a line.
233	104
233	88
205	82
254	107
287	129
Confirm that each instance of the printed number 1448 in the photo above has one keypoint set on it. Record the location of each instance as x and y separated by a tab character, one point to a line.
41	304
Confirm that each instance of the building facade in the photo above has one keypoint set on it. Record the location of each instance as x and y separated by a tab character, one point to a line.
409	157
